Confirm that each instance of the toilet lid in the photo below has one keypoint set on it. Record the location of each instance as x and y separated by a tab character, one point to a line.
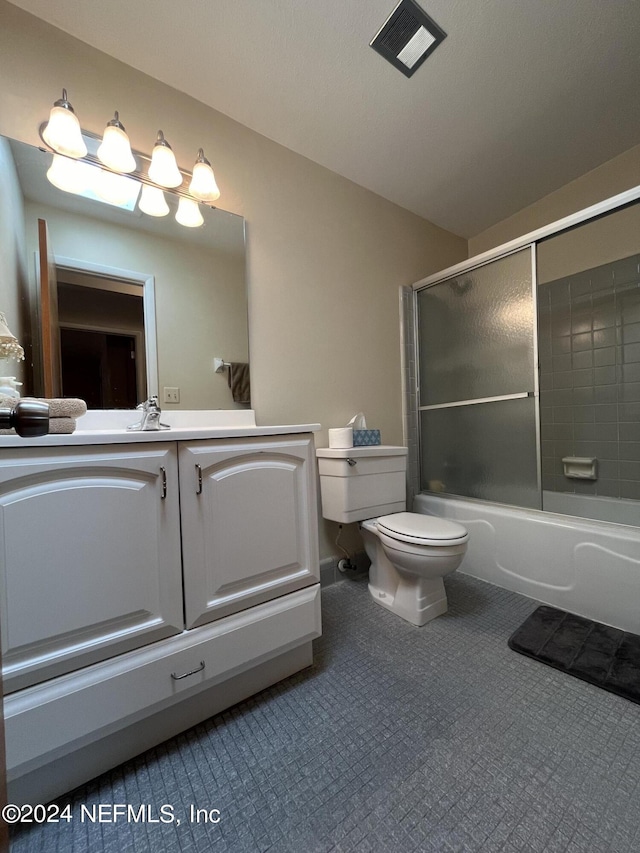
414	527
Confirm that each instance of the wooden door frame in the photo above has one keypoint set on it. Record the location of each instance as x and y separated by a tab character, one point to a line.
146	282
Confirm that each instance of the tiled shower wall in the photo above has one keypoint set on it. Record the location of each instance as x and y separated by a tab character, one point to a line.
589	344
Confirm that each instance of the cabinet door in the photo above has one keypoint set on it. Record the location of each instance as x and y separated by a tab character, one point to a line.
249	528
90	555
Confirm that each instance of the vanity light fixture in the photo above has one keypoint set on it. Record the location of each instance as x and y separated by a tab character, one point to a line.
62	132
115	149
163	169
71	176
203	183
118	190
152	201
108	170
188	213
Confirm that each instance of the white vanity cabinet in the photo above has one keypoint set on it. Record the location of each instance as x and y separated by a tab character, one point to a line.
246	536
147	582
89	555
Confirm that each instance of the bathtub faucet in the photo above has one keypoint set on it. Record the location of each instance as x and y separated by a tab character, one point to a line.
150	419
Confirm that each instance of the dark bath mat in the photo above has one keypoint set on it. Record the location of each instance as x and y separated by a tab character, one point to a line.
604	656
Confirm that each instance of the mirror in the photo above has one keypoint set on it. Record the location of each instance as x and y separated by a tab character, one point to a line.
141	304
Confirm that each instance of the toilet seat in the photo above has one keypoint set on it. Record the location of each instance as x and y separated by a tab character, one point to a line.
419	529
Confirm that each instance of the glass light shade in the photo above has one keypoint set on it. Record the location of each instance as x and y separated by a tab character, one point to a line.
163	169
189	213
115	149
203	183
115	189
62	132
152	201
68	175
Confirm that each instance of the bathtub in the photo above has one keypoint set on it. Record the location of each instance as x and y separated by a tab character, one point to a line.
590	568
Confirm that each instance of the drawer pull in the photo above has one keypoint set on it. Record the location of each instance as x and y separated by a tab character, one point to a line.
199	472
351	462
187	674
163	472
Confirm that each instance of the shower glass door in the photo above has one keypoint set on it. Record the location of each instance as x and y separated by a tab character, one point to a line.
478	389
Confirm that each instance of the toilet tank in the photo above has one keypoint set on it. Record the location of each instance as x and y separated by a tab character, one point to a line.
362	482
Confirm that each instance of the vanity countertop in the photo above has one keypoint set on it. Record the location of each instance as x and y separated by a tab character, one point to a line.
110	427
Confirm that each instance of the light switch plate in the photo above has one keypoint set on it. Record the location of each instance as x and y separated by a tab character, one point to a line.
170	395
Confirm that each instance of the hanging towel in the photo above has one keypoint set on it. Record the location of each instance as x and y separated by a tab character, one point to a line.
239	382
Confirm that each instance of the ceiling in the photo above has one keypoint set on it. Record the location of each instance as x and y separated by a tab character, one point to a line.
522	96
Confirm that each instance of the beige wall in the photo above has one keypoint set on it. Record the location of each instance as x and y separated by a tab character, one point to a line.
325	257
611	178
601	241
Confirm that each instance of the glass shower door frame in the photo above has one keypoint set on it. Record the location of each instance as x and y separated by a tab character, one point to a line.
534	392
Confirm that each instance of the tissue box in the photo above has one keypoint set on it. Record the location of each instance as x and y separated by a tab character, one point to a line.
366	437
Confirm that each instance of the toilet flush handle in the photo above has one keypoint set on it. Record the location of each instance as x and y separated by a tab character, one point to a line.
351	462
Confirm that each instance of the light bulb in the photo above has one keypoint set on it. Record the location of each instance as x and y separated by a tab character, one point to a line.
152	201
163	169
68	175
115	149
203	183
116	189
62	132
189	213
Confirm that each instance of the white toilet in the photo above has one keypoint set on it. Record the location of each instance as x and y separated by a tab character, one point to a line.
410	553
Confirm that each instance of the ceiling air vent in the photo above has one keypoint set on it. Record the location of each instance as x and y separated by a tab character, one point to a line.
408	37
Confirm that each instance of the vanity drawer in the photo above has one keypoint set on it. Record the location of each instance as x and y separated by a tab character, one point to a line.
50	720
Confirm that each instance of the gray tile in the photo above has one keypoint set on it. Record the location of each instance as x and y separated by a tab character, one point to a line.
605	394
581	342
629	451
397	739
608	488
604	338
630	373
629	431
604	375
560	363
630	490
582	378
631	333
583	396
604	357
561	344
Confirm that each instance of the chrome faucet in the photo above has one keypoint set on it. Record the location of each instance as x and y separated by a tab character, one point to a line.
150	419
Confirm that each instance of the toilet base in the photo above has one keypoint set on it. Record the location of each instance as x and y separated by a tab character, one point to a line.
416	600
